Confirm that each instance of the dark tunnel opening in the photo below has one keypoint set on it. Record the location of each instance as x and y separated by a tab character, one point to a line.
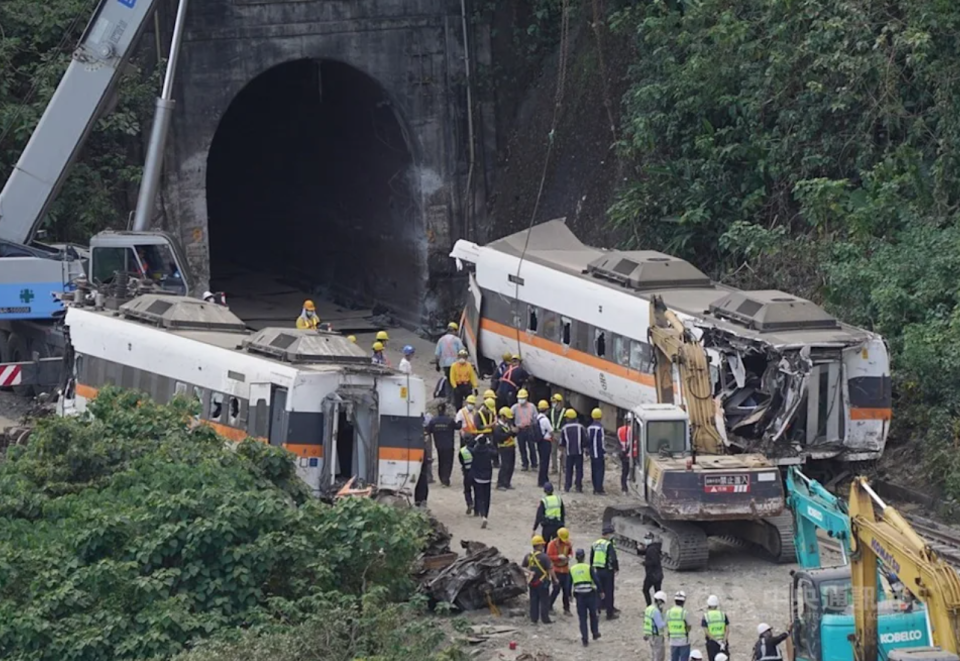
309	178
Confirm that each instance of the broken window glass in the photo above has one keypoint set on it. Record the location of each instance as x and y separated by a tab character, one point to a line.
532	320
234	410
600	343
621	350
565	332
216	406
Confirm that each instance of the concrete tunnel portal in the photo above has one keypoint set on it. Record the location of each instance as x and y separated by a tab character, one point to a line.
310	180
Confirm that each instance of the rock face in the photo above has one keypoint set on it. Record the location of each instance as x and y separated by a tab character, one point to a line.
325	141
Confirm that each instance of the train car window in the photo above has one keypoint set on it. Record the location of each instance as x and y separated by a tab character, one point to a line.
234	411
180	389
600	343
216	407
565	331
532	320
549	323
636	355
621	350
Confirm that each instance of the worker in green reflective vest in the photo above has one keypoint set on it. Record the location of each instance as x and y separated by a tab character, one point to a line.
551	513
603	558
678	628
585	588
715	625
655	626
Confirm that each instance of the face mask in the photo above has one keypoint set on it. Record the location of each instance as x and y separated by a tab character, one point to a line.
463	360
521	401
470	407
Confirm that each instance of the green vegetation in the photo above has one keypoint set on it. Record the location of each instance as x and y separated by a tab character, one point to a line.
812	145
128	534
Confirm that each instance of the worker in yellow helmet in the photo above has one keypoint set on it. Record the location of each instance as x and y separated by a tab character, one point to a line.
545	444
484	421
462	378
308	319
597	461
557	419
540	576
501	368
382	337
505	440
378	357
573	438
352	338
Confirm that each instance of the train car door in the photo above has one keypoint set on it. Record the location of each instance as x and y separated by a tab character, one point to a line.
278	416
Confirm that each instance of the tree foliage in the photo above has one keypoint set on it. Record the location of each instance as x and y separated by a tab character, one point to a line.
814	141
132	534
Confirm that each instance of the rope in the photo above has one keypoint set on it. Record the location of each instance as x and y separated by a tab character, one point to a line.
557	106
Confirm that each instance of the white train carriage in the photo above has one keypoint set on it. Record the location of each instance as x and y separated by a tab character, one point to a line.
789	379
315	394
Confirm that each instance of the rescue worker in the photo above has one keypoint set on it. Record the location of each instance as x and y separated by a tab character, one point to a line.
603	558
481	470
540	575
678	628
505	440
573	437
378	357
466	463
449	347
465	421
545	444
597	452
625	436
441	428
652	565
558	416
551	513
308	319
352	338
510	383
405	366
501	368
559	551
382	337
586	586
715	625
462	378
217	299
525	418
655	626
484	421
767	645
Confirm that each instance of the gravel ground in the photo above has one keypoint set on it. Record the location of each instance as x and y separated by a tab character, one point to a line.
12	408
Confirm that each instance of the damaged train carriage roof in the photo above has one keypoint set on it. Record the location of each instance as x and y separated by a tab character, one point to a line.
775	318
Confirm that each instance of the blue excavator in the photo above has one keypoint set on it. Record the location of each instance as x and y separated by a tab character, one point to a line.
821	598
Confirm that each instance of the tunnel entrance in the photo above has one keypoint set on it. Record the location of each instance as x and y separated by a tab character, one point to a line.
310	182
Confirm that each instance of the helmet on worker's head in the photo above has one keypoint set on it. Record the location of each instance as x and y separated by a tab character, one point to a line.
352	338
489	394
721	657
696	654
648	537
660	596
523	394
563	535
382	336
547	487
628	417
570	414
471	399
505	412
580	554
557	397
463	353
596	414
408	350
607	529
680	597
762	628
378	346
506	355
308	305
490	403
208	296
537	541
515	357
453	326
713	601
542	405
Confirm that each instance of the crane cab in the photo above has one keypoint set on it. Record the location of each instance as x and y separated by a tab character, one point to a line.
154	257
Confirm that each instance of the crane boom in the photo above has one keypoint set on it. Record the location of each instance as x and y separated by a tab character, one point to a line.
82	95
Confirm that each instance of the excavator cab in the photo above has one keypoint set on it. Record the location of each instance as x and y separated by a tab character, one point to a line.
153	258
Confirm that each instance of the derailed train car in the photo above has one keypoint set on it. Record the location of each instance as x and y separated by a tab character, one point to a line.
789	379
313	393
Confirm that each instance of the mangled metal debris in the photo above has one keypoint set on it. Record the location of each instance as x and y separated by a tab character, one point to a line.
480	579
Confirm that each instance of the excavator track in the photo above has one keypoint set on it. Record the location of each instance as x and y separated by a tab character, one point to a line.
684	544
782	546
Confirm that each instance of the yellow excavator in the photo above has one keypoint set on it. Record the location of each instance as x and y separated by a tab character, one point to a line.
688	486
878	531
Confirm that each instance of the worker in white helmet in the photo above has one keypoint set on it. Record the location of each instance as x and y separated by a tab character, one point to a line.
696	655
766	648
679	628
722	657
715	627
655	626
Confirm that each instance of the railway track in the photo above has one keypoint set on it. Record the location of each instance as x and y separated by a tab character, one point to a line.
942	539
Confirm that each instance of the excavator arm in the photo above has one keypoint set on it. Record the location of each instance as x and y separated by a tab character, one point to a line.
673	345
815	508
888	537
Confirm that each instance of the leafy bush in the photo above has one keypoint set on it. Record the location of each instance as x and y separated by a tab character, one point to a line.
132	533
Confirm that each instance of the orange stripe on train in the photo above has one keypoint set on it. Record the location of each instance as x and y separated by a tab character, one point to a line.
871	414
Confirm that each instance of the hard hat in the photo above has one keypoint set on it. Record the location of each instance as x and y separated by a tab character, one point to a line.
580	554
490	403
680	596
308	305
762	628
382	336
378	346
453	326
537	541
505	412
563	534
408	350
506	355
523	394
660	595
570	414
352	338
542	405
628	417
463	353
207	295
514	357
471	399
557	397
607	529
721	657
489	394
713	601
548	487
696	654
596	414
